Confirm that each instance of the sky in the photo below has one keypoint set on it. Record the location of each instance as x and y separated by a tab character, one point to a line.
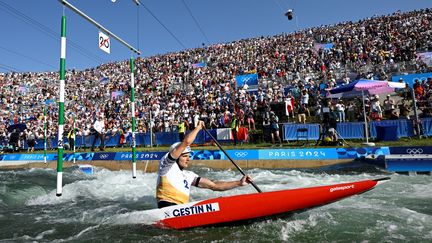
30	29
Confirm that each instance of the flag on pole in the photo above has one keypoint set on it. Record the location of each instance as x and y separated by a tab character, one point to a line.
47	102
289	106
249	79
104	80
426	57
116	94
199	65
224	134
325	47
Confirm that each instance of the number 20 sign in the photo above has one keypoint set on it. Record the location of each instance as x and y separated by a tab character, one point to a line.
104	42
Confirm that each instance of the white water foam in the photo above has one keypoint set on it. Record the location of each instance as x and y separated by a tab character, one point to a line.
137	217
104	185
117	186
292	227
28	238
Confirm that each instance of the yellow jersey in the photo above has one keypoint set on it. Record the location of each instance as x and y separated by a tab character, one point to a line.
173	184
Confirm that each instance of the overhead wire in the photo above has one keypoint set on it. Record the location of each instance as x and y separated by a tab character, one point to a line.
160	22
28	57
279	5
196	22
9	68
48	31
288	6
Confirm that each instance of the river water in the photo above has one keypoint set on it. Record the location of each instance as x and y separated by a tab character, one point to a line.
106	206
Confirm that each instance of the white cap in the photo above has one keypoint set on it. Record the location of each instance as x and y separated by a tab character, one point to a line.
186	150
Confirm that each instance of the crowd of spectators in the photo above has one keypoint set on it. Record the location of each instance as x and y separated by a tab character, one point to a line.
169	90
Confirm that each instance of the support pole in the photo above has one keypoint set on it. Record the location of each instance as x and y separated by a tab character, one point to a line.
45	133
74	138
151	129
61	108
416	118
132	62
366	126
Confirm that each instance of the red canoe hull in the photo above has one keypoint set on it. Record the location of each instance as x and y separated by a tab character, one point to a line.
257	205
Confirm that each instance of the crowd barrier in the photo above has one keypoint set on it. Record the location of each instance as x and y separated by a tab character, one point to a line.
355	130
350	130
427	126
143	139
290	131
404	127
346	130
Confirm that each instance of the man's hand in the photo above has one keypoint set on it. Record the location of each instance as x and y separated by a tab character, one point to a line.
247	179
201	124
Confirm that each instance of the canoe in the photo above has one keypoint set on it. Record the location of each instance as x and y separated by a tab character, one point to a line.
231	209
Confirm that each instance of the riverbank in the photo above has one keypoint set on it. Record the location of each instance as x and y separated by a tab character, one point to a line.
152	165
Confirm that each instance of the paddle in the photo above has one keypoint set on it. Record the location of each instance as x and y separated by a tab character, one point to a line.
229	157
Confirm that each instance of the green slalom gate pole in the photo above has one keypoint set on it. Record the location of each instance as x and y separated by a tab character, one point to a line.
132	64
45	133
61	108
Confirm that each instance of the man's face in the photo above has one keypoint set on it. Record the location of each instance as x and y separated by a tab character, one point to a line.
183	161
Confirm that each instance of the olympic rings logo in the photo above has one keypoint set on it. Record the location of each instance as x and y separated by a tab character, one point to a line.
103	156
414	151
241	154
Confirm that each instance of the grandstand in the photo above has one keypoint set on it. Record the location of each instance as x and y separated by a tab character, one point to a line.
203	83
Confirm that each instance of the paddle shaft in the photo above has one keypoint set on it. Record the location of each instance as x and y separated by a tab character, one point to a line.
232	161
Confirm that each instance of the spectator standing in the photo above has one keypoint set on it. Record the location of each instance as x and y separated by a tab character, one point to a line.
181	129
31	141
250	118
340	108
301	113
48	139
304	98
14	140
375	106
234	127
99	127
351	112
71	138
196	119
404	109
274	128
22	138
389	106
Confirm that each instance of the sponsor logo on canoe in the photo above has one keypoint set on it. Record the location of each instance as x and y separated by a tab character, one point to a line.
341	188
191	210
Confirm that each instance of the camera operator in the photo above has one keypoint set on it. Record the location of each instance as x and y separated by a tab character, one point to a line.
329	119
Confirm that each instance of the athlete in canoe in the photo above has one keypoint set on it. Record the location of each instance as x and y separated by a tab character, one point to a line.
174	182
